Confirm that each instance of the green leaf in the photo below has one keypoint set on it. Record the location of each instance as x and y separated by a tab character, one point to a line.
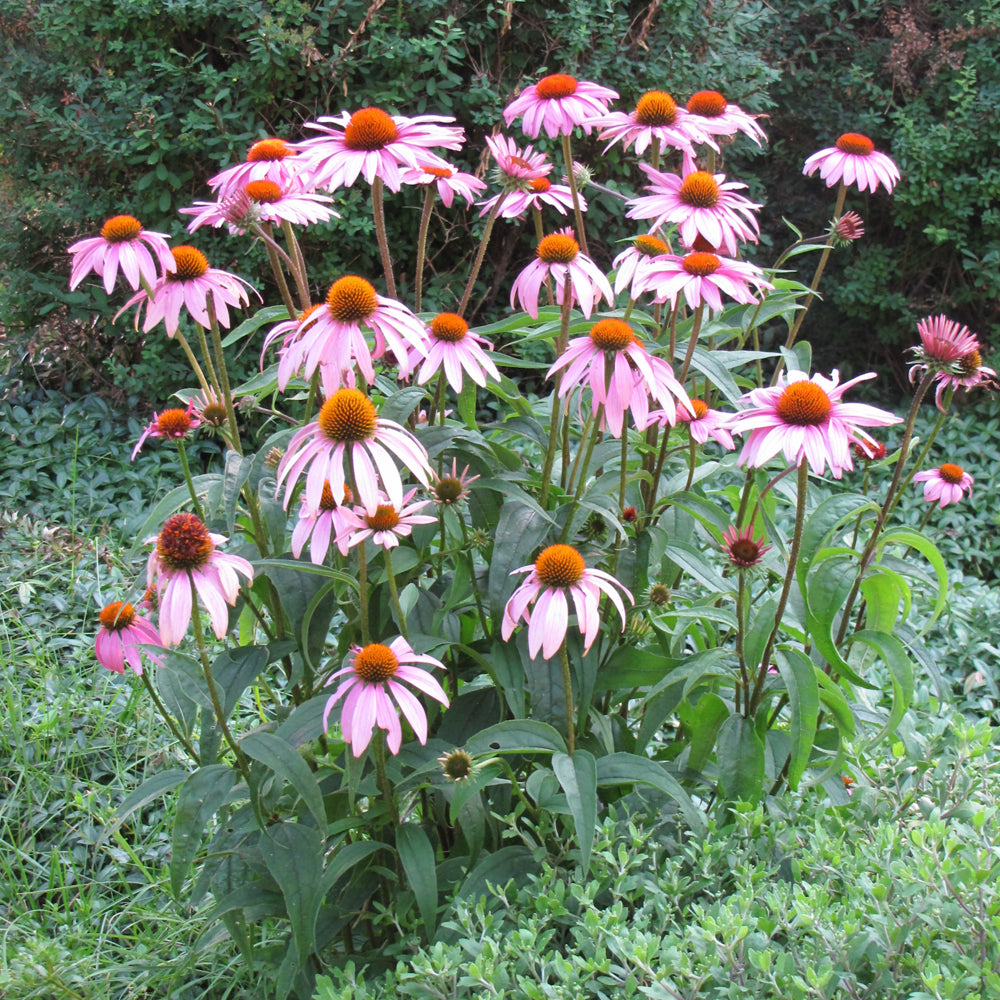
740	760
517	736
287	763
630	667
417	857
200	798
346	859
498	868
262	317
577	775
883	590
799	675
235	669
153	788
401	404
235	474
630	769
824	521
832	697
701	723
755	640
915	540
695	564
519	532
293	854
178	497
893	652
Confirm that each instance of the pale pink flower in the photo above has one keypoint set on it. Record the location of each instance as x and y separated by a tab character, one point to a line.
453	347
186	554
173	423
120	635
631	264
558	574
701	277
621	374
333	337
557	104
699	204
539	193
262	201
805	419
349	432
189	286
373	692
714	115
742	548
450	182
945	485
558	256
656	116
371	143
705	423
318	525
952	352
853	160
387	525
267	160
124	244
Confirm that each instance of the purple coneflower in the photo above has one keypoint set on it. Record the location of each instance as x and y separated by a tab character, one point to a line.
557	104
453	347
701	277
558	256
122	631
173	423
945	485
853	160
124	244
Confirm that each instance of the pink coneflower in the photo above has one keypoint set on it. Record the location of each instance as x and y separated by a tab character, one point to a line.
742	548
452	347
333	336
713	114
387	525
805	419
699	204
701	277
631	264
123	243
539	193
705	423
186	555
267	160
173	423
209	408
620	372
952	352
516	167
371	143
656	116
558	256
121	634
945	485
450	182
189	285
318	525
848	228
262	201
374	691
348	431
557	104
853	160
556	575
450	489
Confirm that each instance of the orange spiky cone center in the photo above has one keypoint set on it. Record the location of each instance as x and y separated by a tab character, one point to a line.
117	616
121	229
951	473
611	335
348	416
555	86
370	129
173	423
700	190
263	191
184	542
707	104
855	144
656	108
189	263
650	246
375	663
449	327
803	404
269	151
351	299
557	248
560	566
442	172
540	185
385	518
700	408
701	264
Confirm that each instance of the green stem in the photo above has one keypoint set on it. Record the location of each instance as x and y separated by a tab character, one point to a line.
299	271
570	711
168	719
581	234
425	222
381	776
378	210
193	362
591	434
186	469
480	254
274	256
695	330
394	594
550	454
363	593
483	621
741	624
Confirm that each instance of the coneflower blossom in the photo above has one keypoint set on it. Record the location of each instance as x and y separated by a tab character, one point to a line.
805	419
387	525
449	182
450	489
515	166
742	548
267	160
630	264
371	143
559	575
186	556
557	104
189	285
539	193
173	423
656	116
713	114
319	525
124	244
703	423
262	201
349	433
853	160
699	204
452	347
952	352
122	631
945	485
375	694
702	278
558	256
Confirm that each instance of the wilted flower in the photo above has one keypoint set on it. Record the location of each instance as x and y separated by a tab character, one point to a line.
173	423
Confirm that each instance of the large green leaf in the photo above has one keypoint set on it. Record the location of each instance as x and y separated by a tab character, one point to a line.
631	769
740	759
893	652
519	532
630	667
200	798
517	736
235	669
286	762
346	859
577	775
914	539
417	858
153	788
701	722
824	521
832	697
799	675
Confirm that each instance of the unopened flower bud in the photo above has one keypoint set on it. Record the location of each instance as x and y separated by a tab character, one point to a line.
847	229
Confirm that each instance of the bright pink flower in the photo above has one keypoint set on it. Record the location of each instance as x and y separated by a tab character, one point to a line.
656	116
121	634
372	143
539	193
621	374
558	256
387	525
631	264
262	201
704	424
318	525
452	347
186	554
374	691
174	423
714	115
699	204
953	353
450	489
805	419
516	166
853	160
701	277
349	430
945	485
742	548
450	182
558	103
189	286
333	337
123	243
267	160
557	574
